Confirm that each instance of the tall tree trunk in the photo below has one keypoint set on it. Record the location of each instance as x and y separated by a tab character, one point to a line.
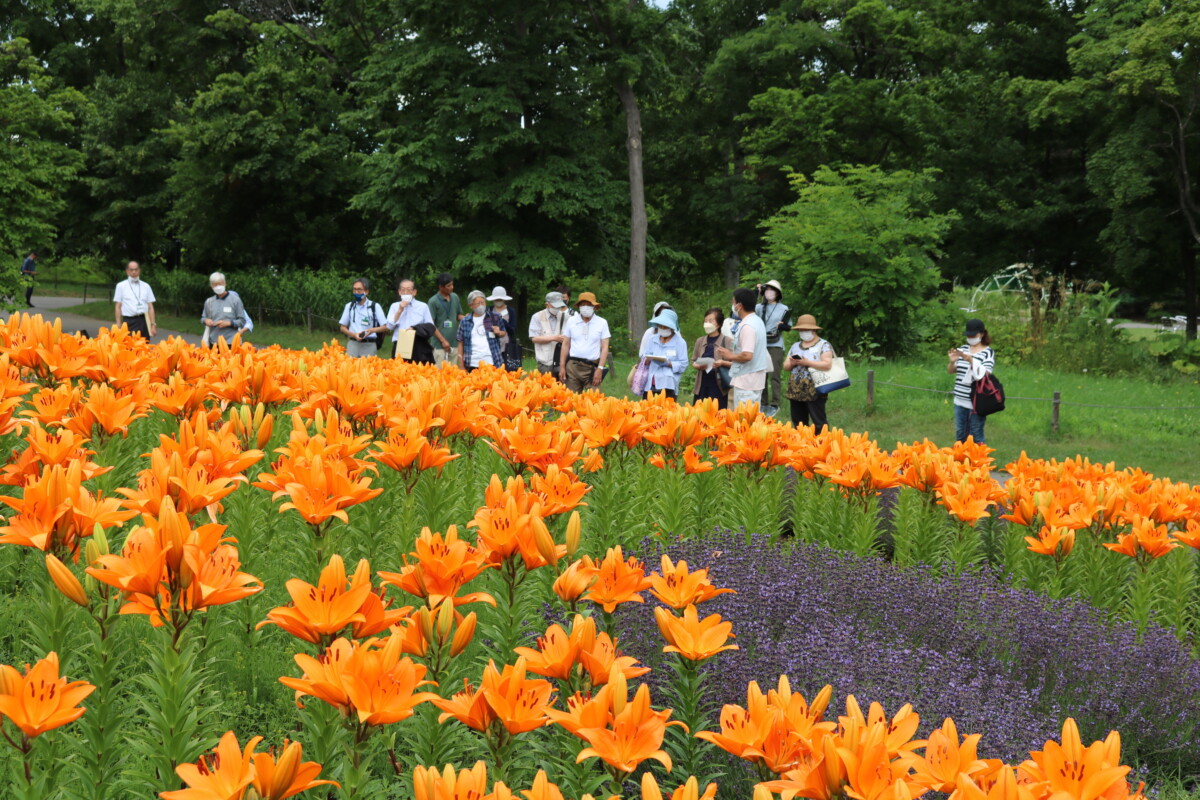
1190	301
733	259
637	212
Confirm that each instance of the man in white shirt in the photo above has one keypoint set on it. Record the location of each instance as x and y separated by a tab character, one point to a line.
751	362
546	332
133	302
408	312
362	322
586	349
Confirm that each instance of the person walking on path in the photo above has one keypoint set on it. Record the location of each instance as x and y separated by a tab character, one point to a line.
774	315
586	348
224	314
133	302
968	363
363	322
546	332
750	361
28	270
446	310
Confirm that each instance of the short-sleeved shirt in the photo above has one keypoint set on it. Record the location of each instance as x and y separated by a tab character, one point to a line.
357	317
29	267
750	381
968	370
416	313
445	313
810	352
134	298
586	336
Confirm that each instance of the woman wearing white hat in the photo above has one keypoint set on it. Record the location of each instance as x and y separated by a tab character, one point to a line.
510	348
774	315
665	353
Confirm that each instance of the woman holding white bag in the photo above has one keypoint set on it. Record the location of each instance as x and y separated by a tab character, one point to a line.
811	352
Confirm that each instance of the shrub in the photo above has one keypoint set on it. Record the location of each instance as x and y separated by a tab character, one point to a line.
1009	664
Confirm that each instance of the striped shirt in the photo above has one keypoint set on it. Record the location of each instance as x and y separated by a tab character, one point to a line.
969	370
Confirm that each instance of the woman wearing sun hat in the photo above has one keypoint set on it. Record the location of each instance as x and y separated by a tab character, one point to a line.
665	353
510	348
811	352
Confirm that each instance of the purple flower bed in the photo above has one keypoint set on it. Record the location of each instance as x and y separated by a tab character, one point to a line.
1007	663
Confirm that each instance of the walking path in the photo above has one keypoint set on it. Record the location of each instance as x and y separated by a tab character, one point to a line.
60	307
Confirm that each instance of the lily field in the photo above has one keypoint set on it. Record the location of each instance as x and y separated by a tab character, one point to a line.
237	574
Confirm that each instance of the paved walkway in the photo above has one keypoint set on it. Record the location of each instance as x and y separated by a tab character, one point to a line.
60	307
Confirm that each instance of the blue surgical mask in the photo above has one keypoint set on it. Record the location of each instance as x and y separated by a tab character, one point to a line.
359	297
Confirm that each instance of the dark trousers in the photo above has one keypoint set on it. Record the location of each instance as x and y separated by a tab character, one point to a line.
29	295
137	325
810	412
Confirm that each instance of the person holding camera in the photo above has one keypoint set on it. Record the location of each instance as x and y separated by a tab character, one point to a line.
363	322
968	363
774	315
546	332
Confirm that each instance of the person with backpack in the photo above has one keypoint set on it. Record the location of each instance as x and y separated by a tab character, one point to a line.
969	363
363	322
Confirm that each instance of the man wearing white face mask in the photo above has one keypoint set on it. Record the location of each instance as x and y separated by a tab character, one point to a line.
133	302
409	312
586	349
224	315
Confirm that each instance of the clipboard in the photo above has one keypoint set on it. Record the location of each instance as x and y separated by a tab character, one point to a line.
404	344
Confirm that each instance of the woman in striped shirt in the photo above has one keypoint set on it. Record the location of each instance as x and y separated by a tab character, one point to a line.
968	363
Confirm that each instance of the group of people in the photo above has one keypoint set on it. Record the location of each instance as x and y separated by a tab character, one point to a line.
739	359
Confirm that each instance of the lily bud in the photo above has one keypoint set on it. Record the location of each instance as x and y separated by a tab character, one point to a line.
445	620
101	540
464	634
65	581
573	534
424	621
265	429
543	541
619	688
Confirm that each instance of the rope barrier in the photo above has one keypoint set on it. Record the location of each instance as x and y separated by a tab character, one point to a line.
1047	399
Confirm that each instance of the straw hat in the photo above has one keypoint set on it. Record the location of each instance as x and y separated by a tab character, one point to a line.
806	322
587	297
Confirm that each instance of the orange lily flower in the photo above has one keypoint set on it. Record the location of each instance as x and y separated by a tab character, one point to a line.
224	776
470	707
688	791
559	490
744	731
48	448
598	654
519	703
1145	542
679	588
576	579
555	655
618	580
325	490
691	637
871	772
370	680
1004	786
945	758
1054	542
318	614
1191	535
465	784
441	565
285	776
635	733
40	700
1070	770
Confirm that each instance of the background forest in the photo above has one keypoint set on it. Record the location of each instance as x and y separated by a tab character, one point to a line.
930	141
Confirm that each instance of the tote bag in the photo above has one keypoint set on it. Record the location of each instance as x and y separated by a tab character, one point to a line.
832	379
639	376
987	395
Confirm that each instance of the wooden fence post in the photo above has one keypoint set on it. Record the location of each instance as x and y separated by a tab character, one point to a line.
870	389
1054	406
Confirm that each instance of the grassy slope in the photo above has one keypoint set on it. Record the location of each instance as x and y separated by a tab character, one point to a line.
1159	441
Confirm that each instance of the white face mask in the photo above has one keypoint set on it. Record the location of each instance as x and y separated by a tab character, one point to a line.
219	288
587	311
771	295
478	310
404	298
807	336
974	340
735	311
665	332
710	328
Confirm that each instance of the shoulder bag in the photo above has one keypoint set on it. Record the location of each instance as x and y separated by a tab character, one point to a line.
832	379
987	395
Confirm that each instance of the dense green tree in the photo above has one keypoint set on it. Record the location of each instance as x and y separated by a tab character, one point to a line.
37	161
859	244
